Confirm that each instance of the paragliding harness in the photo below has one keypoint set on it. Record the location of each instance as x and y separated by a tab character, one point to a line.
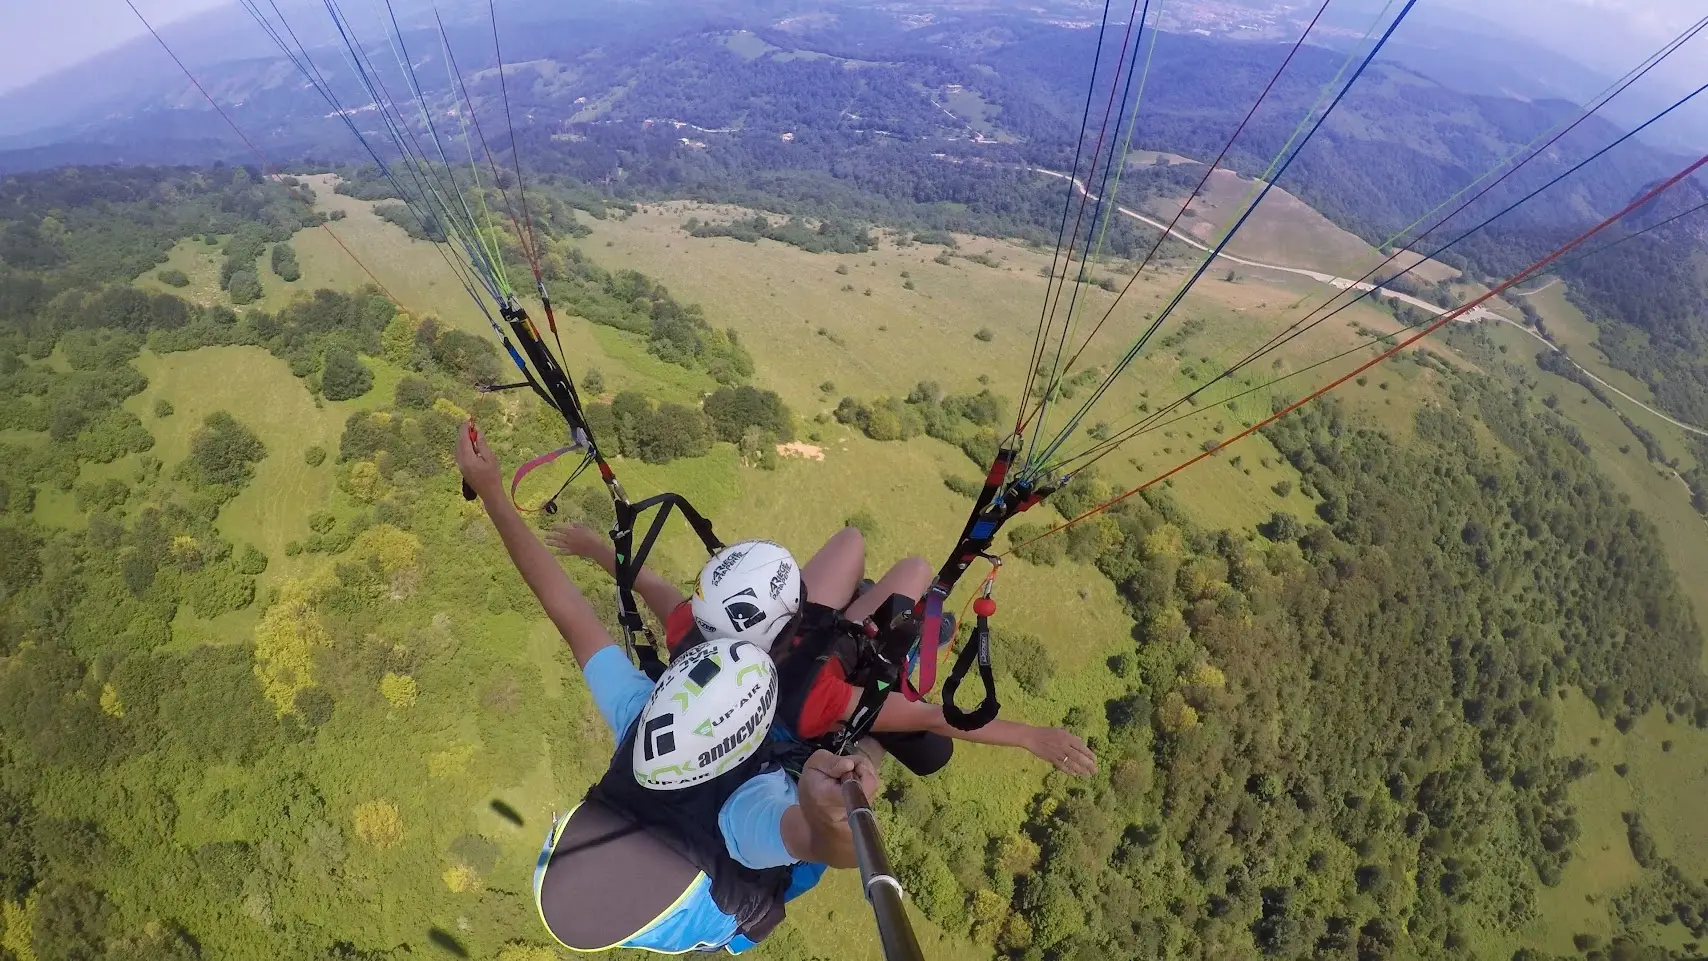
873	656
877	656
555	388
997	503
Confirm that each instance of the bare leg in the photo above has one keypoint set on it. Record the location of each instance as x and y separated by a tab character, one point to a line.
832	574
909	578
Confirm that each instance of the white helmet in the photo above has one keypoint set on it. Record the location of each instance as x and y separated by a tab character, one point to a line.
709	712
750	591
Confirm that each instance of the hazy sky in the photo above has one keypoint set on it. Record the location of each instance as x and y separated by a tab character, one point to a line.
43	35
1606	34
1609	35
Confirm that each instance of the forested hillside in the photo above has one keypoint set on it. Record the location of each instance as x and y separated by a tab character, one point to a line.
1648	288
849	112
1335	736
235	775
1340	734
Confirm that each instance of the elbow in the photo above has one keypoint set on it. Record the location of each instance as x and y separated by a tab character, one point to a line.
845	861
837	850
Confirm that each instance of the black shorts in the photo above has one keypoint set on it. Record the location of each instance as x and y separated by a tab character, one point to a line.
922	752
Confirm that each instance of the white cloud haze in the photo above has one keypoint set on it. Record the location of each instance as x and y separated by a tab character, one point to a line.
41	37
1608	35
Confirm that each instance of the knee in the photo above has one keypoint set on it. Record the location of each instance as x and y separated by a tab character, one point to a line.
914	570
922	752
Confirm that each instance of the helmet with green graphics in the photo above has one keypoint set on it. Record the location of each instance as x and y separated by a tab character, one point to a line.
750	591
710	711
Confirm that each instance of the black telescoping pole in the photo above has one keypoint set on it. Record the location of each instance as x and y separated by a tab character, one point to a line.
884	892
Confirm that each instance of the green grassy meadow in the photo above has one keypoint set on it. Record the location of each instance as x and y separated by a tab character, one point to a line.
437	759
805	330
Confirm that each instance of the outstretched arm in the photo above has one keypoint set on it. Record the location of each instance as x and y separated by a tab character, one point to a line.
1064	749
658	594
567	608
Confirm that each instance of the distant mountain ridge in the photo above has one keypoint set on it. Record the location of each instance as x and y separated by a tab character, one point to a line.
840	107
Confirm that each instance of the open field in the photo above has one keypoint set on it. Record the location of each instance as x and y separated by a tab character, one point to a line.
414	272
258	389
200	262
1603	865
1665	774
806	331
1283	230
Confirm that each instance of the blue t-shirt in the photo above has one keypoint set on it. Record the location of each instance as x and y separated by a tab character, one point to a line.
751	821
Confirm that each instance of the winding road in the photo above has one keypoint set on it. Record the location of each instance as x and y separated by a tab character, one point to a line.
1343	283
1340	283
1586	372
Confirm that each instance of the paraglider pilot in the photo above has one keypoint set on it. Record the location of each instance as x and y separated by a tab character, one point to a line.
696	836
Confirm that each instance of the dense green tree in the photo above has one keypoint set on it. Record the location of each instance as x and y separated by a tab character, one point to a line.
829	236
735	409
253	561
344	376
71	922
222	452
633	302
315	705
244	287
18	856
470	359
285	263
415	393
671	431
20	558
102	496
1026	659
157	943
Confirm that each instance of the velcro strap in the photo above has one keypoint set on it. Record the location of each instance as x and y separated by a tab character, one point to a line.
930	631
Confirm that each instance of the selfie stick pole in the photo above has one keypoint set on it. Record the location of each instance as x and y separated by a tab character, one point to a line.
881	887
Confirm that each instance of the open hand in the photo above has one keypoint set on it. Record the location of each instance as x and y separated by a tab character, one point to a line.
577	541
1064	749
478	464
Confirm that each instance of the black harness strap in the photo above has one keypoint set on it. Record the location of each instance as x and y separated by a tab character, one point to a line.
880	664
976	648
997	503
557	391
631	559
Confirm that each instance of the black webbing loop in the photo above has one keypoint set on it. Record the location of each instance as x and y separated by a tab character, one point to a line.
977	646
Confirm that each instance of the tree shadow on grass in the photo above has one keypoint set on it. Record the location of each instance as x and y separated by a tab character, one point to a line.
508	813
446	942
